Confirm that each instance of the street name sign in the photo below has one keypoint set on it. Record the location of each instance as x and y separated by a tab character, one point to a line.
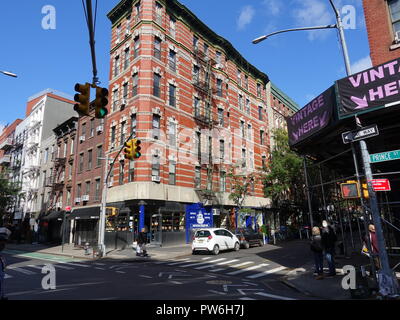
381	184
385	156
362	133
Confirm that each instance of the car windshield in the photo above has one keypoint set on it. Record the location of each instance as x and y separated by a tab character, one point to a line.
202	234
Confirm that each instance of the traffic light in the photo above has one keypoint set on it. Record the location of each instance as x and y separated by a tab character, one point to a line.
364	187
350	190
136	148
128	150
83	99
100	102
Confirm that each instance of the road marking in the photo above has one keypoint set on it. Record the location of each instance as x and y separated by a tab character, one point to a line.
264	273
213	265
199	263
63	267
179	261
144	276
248	269
98	268
206	258
241	264
226	262
35	267
22	271
176	282
246	298
75	264
7	276
273	296
216	270
217	292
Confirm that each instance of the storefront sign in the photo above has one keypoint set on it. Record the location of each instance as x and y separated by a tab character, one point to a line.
370	89
315	116
197	217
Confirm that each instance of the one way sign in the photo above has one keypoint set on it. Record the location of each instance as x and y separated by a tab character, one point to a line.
360	134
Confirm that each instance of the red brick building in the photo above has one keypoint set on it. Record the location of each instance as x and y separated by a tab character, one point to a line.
7	143
383	26
200	110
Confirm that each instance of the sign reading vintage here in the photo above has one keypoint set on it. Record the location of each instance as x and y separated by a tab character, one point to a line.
312	118
372	88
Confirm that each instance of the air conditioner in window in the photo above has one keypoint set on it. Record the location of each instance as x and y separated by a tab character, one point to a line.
155	178
82	138
100	129
85	197
77	200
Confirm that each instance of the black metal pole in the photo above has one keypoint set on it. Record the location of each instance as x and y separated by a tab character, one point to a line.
91	41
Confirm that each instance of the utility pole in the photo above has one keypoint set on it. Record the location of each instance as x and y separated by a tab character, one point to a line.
91	39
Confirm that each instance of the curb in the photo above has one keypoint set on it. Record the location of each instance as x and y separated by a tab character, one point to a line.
52	253
286	282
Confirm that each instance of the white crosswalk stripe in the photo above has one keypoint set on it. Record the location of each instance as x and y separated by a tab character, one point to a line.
63	267
206	258
241	264
200	263
179	261
268	295
227	262
264	273
248	269
218	264
75	264
24	271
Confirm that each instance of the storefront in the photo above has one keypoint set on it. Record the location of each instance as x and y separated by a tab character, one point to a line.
51	226
83	223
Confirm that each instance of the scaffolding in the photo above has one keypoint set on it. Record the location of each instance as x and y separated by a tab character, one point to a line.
56	182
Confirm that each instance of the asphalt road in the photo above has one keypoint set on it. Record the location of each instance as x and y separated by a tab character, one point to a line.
251	274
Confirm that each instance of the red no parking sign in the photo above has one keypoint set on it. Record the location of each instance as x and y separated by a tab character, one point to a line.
381	184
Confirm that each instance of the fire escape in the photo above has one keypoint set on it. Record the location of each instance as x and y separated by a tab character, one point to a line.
205	119
56	182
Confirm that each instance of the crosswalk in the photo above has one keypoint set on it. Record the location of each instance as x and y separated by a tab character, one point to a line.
232	267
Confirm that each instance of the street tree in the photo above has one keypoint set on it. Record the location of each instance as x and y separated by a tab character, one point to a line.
8	192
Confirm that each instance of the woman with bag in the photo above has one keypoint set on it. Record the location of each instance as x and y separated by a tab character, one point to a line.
141	244
316	248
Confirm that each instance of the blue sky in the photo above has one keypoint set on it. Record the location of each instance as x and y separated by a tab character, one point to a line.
302	64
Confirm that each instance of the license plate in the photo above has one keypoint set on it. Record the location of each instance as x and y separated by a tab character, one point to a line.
200	240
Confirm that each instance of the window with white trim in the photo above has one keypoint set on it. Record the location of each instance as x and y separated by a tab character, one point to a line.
394	8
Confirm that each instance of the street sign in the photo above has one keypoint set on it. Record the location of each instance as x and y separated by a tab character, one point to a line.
381	184
385	156
362	133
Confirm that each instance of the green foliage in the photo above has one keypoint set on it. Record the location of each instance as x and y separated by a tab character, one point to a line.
8	191
284	180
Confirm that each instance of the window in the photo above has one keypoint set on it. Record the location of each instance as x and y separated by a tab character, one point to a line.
131	174
159	13
157	48
128	24
240	102
137	12
87	191
84	129
222	182
121	172
118	33
195	43
172	27
44	179
260	112
92	124
246	82
123	125
261	137
70	167
205	49
196	74
65	149
135	79
242	128
172	133
248	106
115	99
221	150
172	60
172	172
113	134
259	90
97	190
198	145
156	85
208	111
197	177
90	159
218	56
72	146
133	125
239	78
243	158
172	94
68	197
79	191
196	105
46	155
155	167
156	126
136	47
394	6
249	131
80	162
209	179
99	155
125	91
221	116
127	57
116	66
264	162
219	87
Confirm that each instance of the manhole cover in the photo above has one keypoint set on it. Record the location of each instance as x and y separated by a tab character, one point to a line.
219	282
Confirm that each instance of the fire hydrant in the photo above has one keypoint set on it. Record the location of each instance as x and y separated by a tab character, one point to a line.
86	247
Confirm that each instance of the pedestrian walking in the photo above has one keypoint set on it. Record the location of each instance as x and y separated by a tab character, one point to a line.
141	243
316	248
4	234
328	240
374	245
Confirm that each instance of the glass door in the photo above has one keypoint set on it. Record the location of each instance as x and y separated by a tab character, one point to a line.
156	229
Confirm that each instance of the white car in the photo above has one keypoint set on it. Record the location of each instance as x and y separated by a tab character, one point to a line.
214	240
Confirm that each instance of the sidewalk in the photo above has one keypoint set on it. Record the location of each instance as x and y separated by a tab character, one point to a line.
155	252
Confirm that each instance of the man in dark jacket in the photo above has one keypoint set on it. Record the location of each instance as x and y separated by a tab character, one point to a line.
316	248
141	242
328	243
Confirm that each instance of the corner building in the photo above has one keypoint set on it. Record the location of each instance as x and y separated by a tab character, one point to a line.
198	108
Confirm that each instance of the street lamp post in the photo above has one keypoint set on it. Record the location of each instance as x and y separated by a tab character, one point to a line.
391	284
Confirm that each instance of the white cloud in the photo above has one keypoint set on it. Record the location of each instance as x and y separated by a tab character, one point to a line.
273	7
245	17
362	64
314	13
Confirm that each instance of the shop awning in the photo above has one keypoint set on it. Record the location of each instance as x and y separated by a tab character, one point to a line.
54	215
85	213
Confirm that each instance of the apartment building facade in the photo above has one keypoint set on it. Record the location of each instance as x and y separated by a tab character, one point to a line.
200	111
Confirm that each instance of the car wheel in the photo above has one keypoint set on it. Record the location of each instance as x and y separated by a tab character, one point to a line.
261	243
215	250
237	246
246	245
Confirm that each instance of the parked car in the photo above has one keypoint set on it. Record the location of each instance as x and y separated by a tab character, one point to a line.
248	238
214	240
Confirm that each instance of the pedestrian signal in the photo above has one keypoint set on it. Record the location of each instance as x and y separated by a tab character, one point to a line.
350	190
